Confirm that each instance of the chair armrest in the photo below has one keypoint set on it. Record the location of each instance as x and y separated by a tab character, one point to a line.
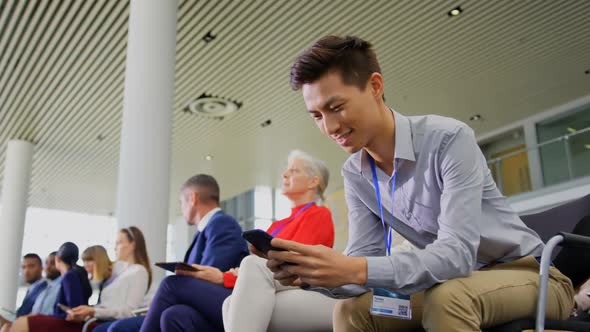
87	323
574	240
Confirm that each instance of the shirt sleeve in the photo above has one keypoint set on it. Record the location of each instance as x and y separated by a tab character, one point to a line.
72	289
365	232
131	289
229	280
453	254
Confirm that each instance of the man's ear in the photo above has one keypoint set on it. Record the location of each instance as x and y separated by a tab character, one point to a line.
375	83
194	198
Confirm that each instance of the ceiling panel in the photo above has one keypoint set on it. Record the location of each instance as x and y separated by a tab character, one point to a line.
63	66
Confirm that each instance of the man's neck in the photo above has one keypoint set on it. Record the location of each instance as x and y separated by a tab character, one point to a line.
202	212
34	281
382	146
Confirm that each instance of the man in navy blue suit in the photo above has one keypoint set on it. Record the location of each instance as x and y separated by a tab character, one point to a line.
218	241
32	267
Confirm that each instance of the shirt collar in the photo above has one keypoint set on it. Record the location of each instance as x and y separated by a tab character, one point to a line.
37	283
205	220
404	145
53	282
299	207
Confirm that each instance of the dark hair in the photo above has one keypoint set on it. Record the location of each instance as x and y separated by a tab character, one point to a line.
68	253
205	185
33	256
140	254
353	57
53	253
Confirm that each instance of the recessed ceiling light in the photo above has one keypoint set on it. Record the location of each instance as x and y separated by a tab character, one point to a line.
475	117
571	130
208	157
209	37
587	146
455	11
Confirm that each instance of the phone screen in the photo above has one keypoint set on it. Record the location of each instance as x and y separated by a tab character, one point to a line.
260	240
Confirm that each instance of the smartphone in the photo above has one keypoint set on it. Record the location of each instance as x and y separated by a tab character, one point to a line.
173	266
64	307
260	240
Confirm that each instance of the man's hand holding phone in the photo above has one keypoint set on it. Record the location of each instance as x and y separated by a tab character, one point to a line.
260	242
315	265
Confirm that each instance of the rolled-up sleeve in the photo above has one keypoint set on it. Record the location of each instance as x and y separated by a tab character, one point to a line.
454	253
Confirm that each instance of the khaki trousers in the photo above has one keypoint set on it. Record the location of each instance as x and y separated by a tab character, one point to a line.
488	297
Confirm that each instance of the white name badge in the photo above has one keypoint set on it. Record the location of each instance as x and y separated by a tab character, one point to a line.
389	304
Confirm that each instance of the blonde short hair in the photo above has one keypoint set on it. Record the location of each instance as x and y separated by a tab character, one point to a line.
313	167
102	263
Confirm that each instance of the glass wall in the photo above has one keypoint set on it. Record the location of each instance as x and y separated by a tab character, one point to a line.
565	159
257	208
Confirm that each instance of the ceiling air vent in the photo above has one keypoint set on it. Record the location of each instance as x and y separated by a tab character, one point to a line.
212	106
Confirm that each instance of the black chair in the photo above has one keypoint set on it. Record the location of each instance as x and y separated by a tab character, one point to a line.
571	221
569	218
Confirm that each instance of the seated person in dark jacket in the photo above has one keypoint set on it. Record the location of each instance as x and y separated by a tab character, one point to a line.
218	241
32	268
75	290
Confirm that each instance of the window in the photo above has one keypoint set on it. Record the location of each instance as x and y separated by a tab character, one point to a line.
508	162
567	159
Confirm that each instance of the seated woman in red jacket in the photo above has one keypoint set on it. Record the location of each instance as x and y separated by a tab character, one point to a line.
193	300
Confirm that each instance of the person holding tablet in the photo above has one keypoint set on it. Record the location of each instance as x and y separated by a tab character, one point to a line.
177	308
217	243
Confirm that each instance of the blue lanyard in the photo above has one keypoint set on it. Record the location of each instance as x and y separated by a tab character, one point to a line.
387	235
278	230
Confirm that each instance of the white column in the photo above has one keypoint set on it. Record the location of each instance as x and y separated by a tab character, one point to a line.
15	193
144	161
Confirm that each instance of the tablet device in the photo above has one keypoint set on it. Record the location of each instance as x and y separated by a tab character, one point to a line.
140	311
260	240
173	266
7	315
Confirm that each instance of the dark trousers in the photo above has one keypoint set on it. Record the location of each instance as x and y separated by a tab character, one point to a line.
186	304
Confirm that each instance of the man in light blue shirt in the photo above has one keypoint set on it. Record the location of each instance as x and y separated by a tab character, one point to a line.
424	176
45	302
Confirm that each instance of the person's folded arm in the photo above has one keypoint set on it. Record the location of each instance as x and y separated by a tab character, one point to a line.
135	288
